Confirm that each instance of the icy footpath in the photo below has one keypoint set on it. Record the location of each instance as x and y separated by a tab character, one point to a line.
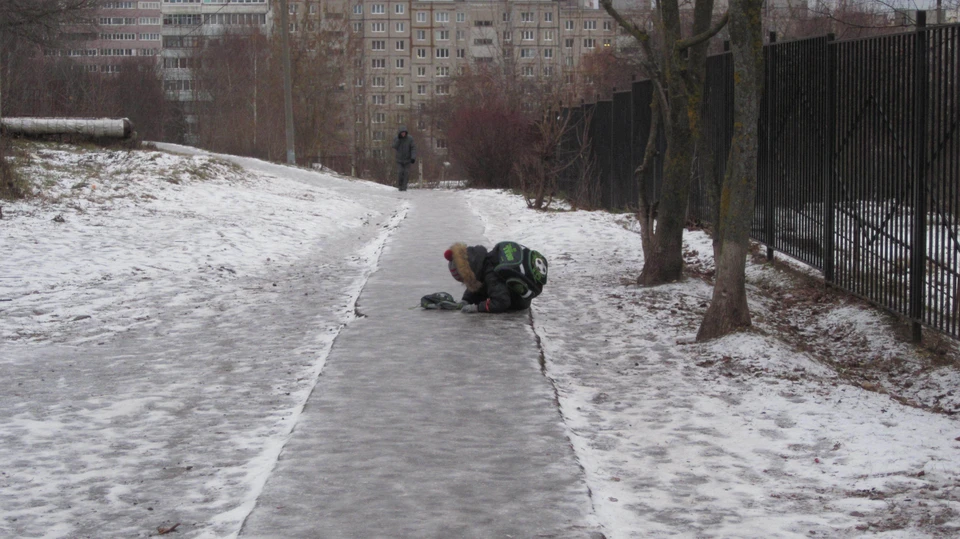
424	423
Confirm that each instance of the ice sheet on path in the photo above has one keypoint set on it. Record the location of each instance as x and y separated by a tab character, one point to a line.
165	335
740	437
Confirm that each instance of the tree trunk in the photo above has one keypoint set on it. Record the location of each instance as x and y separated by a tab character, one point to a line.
728	311
683	76
666	261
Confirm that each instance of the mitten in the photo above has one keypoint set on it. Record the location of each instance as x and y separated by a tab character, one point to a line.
470	309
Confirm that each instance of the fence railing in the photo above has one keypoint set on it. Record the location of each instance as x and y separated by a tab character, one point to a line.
858	168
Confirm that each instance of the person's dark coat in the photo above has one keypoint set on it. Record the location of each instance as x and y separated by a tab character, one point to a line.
484	288
406	149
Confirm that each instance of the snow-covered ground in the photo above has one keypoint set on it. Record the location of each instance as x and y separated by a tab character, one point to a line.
817	423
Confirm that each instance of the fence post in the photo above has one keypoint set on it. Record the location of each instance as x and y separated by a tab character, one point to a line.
829	180
770	90
918	251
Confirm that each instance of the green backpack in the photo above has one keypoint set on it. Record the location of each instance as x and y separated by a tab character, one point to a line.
524	270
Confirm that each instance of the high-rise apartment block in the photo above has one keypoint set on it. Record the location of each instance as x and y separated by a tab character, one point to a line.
408	52
122	30
404	53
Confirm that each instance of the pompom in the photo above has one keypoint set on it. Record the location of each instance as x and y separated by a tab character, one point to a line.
448	254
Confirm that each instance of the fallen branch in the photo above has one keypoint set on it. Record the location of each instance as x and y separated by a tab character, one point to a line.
164	531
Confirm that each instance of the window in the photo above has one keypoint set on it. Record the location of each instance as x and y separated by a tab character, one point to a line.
548	53
399	82
149	21
589	25
442	16
548	71
607	42
421	53
378	27
461	17
421	16
608	25
422	71
421	35
401	99
379	63
568	43
379	99
568	61
527	71
378	82
378	135
443	53
483	23
568	25
313	9
421	89
528	53
378	9
378	45
400	119
506	16
548	35
377	154
401	45
443	35
400	63
507	36
443	89
548	16
461	53
359	83
526	35
443	71
460	35
379	117
292	8
357	27
482	41
589	43
526	16
398	9
401	27
421	124
441	144
358	9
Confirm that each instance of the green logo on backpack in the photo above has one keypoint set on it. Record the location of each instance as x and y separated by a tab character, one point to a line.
525	274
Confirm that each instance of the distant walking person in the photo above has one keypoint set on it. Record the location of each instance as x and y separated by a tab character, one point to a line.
406	156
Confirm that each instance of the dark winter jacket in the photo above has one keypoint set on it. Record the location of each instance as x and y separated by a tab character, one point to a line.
484	288
406	149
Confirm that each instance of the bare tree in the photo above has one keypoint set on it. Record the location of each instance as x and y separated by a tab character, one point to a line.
728	309
677	66
43	21
40	22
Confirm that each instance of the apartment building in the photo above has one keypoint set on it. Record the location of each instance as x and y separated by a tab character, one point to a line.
185	24
410	50
122	30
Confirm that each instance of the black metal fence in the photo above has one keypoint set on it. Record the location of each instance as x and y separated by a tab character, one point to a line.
859	162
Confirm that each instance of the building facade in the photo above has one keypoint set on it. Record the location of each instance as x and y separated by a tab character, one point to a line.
122	30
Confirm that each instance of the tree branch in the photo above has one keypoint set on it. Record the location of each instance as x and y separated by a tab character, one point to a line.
639	34
684	44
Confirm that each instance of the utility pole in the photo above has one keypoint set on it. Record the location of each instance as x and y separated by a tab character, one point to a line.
287	85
